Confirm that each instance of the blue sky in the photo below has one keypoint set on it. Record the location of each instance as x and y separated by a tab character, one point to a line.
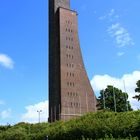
109	38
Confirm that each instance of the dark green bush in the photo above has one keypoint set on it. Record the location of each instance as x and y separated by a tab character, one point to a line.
93	126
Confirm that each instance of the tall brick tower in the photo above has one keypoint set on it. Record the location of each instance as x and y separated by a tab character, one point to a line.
70	92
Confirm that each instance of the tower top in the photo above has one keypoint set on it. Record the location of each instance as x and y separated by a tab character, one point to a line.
55	4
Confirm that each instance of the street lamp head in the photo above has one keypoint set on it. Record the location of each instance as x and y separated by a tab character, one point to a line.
39	110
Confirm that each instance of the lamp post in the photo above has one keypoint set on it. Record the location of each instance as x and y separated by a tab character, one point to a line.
125	95
39	111
47	137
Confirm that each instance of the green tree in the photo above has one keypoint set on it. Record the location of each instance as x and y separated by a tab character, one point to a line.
14	134
113	99
137	90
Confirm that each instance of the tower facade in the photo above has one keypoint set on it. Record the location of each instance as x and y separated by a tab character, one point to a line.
70	92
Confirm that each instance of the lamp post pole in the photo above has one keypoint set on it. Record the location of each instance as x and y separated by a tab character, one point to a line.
125	95
39	111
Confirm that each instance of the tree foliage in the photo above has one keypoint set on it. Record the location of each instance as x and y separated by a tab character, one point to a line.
137	90
102	125
111	96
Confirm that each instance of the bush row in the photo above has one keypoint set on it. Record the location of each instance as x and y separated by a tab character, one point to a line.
93	126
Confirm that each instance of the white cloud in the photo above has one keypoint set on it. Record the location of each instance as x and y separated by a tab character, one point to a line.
111	16
32	115
120	53
112	11
6	61
100	82
5	114
102	17
120	34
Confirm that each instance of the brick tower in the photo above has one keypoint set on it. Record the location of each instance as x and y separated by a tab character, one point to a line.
70	92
